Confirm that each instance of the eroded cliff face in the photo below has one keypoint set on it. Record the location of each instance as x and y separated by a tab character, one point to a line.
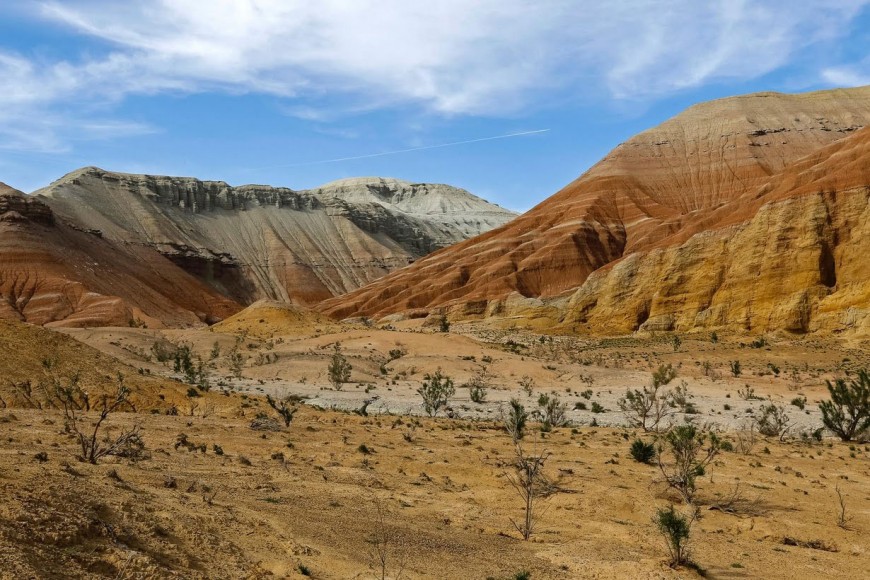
252	242
743	213
56	273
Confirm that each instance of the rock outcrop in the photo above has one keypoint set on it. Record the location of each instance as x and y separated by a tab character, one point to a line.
744	213
56	273
253	242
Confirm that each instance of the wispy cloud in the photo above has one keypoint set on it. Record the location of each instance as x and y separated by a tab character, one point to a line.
851	75
451	57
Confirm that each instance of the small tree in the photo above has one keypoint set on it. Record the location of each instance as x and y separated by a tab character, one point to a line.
531	483
444	324
215	350
735	368
774	421
685	445
237	362
388	545
436	392
339	368
675	527
676	341
515	420
527	384
847	414
648	407
283	408
551	412
72	399
478	385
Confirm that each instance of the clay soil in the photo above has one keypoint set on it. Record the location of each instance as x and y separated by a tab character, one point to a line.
236	502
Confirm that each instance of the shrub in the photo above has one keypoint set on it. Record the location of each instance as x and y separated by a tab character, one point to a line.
643	452
339	369
735	368
597	407
799	402
478	385
648	407
847	414
73	399
532	484
675	527
551	412
515	420
774	421
436	392
444	324
685	445
527	384
283	408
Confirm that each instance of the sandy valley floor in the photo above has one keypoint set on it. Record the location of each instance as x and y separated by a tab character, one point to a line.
234	502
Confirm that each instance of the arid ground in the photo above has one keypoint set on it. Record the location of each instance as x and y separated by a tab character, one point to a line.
216	498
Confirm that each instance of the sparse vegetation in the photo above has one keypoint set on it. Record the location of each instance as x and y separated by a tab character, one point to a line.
551	412
339	369
675	527
478	385
642	452
847	414
436	391
443	324
648	407
73	400
532	485
684	454
387	555
774	421
284	407
515	420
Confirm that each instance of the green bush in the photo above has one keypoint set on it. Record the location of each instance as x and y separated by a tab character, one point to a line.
643	452
675	527
847	414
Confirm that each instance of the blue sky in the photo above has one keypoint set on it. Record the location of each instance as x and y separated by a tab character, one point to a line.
264	91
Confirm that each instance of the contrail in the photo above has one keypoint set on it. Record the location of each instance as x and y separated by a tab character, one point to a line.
336	160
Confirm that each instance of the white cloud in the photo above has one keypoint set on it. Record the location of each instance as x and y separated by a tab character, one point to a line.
849	76
447	56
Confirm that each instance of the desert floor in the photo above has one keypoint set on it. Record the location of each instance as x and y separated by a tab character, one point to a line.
306	498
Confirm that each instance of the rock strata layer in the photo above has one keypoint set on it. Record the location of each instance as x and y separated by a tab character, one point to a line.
253	242
746	213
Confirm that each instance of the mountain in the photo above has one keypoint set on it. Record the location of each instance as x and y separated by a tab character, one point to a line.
54	272
254	241
746	213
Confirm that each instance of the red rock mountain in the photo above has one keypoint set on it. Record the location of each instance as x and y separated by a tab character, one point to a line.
53	272
97	248
607	246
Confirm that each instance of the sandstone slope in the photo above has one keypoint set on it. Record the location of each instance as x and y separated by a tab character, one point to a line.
56	273
713	166
252	242
24	347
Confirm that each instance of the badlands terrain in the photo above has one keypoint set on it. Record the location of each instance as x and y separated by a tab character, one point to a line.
271	345
226	490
